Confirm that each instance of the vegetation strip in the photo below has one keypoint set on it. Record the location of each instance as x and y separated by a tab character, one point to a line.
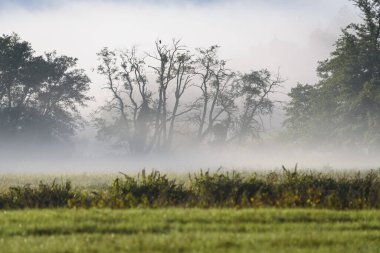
206	190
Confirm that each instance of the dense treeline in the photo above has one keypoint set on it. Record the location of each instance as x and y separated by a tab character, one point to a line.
206	189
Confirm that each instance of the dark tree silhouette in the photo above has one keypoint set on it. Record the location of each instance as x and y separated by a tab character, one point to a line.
39	95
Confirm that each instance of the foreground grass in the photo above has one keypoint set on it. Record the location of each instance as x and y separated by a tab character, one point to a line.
189	230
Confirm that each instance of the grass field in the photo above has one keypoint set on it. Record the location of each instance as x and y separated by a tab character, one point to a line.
189	230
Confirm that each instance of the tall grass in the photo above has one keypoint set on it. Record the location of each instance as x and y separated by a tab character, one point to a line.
206	189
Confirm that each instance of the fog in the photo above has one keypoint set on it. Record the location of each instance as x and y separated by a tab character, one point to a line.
259	158
285	36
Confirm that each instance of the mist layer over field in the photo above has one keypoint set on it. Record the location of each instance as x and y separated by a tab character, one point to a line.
263	157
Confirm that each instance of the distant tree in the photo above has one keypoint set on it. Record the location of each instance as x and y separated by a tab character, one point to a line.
254	89
346	101
174	66
40	96
231	104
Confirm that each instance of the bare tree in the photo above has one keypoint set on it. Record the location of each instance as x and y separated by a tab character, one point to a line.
184	77
109	68
167	56
215	82
135	84
127	81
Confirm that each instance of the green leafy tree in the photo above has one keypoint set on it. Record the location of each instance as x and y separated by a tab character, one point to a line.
345	105
254	89
40	96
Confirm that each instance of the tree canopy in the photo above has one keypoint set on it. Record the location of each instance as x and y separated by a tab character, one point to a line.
344	106
40	95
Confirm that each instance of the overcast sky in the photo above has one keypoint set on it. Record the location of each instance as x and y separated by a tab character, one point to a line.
275	34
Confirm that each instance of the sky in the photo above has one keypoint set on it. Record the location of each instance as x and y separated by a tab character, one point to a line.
286	36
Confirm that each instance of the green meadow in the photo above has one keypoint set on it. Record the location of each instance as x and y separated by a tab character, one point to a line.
189	230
